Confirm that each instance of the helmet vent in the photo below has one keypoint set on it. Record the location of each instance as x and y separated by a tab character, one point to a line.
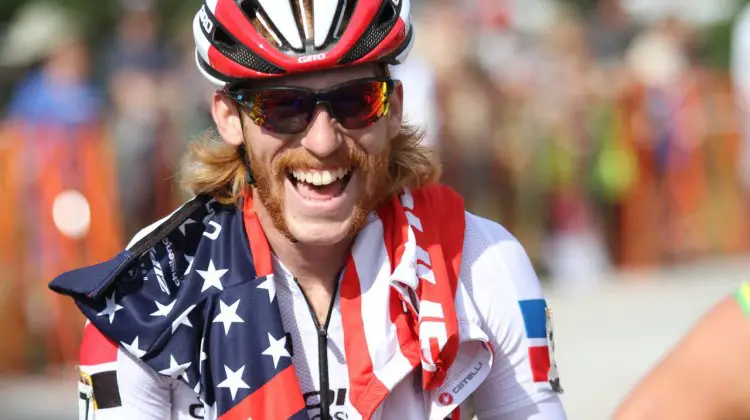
386	15
257	17
303	15
346	16
228	45
222	40
380	28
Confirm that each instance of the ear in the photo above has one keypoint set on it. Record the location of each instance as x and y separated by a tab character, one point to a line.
227	118
396	112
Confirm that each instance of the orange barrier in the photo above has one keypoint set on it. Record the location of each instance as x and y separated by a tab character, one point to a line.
45	162
12	357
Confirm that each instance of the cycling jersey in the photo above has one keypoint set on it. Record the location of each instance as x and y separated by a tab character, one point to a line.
495	272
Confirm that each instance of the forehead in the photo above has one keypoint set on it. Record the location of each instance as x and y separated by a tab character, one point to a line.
321	79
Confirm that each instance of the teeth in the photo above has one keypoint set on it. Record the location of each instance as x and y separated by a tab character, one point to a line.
326	178
320	177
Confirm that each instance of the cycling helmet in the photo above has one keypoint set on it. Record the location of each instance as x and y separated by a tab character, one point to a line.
251	39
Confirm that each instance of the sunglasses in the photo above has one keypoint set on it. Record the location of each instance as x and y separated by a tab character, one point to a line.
289	110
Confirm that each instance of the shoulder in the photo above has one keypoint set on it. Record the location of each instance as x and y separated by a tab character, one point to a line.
502	283
167	270
510	302
115	383
494	259
703	373
162	248
191	220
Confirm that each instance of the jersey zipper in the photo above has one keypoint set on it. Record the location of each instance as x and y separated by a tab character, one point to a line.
322	350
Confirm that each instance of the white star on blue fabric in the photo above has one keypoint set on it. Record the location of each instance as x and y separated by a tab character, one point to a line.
182	319
133	348
175	369
163	310
269	285
189	259
212	277
111	308
228	315
277	349
234	380
182	227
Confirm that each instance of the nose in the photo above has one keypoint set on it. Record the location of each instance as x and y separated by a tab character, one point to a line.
322	138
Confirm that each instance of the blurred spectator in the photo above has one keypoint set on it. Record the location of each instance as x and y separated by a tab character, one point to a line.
419	83
187	95
467	105
61	194
610	31
137	63
740	71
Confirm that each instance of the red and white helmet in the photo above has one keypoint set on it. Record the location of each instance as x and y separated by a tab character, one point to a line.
250	39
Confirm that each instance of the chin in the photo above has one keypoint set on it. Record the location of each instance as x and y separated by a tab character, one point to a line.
319	232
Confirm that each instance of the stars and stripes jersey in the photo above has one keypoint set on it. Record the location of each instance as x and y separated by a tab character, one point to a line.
132	371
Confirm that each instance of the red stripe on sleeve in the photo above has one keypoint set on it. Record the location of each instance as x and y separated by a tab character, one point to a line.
540	364
95	348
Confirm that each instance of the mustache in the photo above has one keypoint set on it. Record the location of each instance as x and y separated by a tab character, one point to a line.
301	158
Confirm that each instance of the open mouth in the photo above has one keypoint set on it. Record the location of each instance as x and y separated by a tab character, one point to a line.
320	184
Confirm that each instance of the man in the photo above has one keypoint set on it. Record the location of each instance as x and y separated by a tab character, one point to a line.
703	377
319	272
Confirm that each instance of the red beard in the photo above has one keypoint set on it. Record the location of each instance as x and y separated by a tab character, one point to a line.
374	178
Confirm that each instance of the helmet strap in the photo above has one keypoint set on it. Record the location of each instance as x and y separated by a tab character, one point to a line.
242	150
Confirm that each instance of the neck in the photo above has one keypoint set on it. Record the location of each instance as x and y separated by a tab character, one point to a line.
312	264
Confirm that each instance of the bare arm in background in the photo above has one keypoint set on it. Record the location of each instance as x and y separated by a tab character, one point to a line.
706	376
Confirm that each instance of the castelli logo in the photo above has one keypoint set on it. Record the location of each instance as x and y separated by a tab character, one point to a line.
445	398
311	58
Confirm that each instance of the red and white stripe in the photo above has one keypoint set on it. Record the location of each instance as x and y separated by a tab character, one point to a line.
281	16
373	302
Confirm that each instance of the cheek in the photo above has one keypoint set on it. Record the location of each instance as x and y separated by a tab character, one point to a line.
264	147
374	139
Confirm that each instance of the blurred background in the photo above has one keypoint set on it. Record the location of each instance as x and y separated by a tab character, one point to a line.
611	137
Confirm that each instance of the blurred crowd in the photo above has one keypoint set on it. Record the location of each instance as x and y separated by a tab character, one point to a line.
599	141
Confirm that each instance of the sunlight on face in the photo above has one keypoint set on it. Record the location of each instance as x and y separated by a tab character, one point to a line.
319	186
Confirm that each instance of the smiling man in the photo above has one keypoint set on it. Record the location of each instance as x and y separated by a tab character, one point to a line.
320	272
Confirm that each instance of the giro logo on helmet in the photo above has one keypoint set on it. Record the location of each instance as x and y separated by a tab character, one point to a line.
208	26
311	58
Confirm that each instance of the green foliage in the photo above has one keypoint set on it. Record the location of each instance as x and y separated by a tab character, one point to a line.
581	5
715	47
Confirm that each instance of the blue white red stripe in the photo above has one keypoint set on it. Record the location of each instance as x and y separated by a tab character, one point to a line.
534	313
